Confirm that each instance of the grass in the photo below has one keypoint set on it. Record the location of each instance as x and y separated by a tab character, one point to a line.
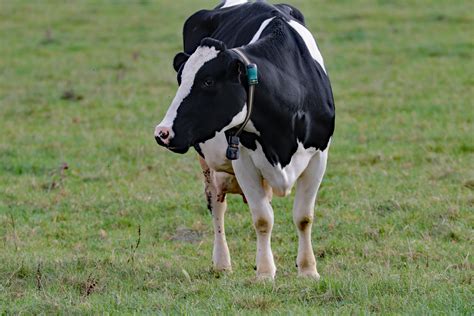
82	85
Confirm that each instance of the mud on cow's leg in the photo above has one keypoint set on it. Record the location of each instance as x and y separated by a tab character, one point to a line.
303	213
217	205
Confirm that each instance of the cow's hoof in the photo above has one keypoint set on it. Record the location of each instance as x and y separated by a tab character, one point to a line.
223	269
265	277
309	274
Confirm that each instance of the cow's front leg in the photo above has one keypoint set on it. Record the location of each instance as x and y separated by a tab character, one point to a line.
303	213
220	253
217	205
252	186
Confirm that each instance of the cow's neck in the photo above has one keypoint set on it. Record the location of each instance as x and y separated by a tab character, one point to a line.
232	152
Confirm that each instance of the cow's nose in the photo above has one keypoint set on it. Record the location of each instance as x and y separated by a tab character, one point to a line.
162	135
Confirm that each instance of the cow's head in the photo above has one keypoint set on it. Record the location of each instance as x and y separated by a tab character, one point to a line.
210	97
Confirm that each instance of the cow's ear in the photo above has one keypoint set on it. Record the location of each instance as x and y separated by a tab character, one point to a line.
237	70
179	60
210	42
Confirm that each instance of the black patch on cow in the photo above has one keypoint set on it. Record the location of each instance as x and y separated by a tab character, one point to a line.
292	11
247	139
200	25
199	150
179	60
178	64
210	42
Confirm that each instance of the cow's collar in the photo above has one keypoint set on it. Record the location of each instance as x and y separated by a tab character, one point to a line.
252	77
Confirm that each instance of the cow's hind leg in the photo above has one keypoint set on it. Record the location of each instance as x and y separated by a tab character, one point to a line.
262	213
217	206
303	212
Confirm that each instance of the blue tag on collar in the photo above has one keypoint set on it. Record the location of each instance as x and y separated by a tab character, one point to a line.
252	74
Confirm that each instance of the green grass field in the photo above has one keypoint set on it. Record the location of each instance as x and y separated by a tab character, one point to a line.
82	86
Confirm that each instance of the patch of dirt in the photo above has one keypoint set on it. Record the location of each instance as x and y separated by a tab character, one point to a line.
387	207
187	235
469	184
48	38
71	95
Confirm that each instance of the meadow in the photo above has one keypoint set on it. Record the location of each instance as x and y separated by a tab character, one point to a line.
96	218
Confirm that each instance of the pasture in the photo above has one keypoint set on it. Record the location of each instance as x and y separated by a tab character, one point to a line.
96	218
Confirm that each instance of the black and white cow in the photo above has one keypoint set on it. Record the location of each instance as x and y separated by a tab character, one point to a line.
287	138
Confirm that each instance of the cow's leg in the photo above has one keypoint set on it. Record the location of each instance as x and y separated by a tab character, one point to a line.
217	206
252	186
303	212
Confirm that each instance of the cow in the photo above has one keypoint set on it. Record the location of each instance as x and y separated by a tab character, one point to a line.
257	140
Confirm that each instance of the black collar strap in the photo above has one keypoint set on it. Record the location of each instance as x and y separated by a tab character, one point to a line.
252	77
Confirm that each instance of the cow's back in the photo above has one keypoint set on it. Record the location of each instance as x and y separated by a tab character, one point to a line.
236	25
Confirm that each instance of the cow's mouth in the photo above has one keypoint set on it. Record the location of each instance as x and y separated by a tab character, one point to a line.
175	149
179	150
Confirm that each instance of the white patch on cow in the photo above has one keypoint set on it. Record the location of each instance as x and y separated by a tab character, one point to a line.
231	3
307	187
309	41
282	179
201	56
250	180
237	119
260	30
214	149
250	127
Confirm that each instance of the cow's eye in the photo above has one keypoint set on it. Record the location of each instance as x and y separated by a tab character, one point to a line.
208	82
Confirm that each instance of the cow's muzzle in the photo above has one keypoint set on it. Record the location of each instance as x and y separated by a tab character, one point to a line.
163	135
